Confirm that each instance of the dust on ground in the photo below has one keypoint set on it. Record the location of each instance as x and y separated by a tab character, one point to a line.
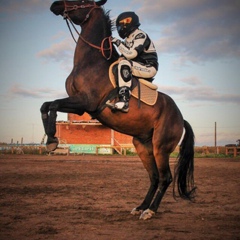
90	197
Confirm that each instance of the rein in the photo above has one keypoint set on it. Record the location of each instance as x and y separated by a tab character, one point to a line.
68	19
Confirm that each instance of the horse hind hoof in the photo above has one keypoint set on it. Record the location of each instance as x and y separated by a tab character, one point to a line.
147	214
136	211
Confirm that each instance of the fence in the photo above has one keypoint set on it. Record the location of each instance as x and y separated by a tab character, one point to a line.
102	149
232	151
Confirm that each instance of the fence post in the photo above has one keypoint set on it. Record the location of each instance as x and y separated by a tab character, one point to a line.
235	152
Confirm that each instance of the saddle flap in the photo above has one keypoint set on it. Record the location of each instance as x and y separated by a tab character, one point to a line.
148	84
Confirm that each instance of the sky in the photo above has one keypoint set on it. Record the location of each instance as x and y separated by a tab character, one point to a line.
199	62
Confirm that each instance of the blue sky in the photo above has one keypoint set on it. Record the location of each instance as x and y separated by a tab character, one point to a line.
199	62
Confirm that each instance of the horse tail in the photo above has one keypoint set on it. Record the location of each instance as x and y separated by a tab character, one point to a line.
184	169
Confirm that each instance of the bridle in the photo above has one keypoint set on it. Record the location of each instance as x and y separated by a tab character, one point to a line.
68	8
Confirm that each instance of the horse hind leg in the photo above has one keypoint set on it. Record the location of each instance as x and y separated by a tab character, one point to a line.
145	152
165	179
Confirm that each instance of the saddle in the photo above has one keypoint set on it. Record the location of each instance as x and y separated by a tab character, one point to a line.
141	88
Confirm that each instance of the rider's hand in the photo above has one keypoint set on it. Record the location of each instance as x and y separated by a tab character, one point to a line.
116	41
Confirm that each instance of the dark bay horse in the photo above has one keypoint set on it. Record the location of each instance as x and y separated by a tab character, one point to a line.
156	130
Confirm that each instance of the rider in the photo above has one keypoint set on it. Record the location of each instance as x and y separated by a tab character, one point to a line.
139	56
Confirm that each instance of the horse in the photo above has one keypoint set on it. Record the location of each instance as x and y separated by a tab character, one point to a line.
156	130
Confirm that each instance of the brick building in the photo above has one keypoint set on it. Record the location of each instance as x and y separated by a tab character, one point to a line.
84	135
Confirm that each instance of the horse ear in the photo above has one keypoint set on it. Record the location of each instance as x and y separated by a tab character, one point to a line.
101	2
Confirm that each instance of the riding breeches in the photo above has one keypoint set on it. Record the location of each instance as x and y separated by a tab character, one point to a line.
128	68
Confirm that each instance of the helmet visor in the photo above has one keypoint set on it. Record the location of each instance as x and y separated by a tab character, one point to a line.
119	28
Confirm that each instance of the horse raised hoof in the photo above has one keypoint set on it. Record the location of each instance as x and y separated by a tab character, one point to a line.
136	211
147	214
51	144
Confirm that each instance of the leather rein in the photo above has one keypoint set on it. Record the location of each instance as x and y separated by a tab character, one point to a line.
68	9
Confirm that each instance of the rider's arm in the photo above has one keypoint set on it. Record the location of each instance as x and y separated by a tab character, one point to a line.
137	48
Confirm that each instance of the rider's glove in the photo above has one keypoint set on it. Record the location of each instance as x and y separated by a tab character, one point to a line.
116	41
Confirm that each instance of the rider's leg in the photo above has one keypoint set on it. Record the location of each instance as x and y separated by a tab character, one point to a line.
143	70
124	84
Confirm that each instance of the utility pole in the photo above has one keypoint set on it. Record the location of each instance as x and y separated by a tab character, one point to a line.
215	138
215	135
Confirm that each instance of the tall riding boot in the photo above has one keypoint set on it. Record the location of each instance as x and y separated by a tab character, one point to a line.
124	96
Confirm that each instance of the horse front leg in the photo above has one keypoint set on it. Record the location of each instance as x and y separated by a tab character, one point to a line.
44	114
49	115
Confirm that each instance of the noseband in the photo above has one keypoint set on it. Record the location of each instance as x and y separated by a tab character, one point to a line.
68	8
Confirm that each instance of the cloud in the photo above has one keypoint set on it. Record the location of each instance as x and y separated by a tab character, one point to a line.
19	91
191	81
24	6
195	30
61	52
207	138
200	93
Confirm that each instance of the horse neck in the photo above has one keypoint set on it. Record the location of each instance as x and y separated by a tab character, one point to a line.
92	34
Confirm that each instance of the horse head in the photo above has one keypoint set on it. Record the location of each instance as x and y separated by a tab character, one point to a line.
77	11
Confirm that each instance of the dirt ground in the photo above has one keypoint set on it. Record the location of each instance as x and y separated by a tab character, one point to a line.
90	197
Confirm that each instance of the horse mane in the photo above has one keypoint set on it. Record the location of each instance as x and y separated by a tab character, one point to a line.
110	28
110	23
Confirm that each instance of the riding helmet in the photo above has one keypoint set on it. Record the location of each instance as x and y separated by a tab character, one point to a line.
126	23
